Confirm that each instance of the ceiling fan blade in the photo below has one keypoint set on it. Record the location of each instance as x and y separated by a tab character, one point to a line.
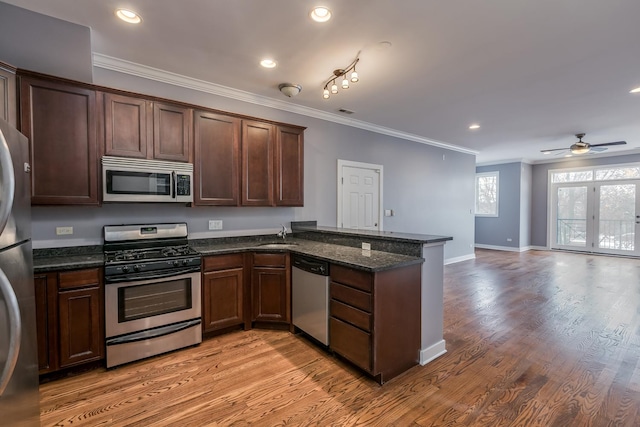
609	143
553	149
598	149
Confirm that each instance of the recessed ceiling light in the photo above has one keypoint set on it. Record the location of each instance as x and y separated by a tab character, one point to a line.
320	14
474	126
268	63
636	90
128	16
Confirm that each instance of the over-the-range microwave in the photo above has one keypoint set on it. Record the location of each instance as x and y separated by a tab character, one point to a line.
142	180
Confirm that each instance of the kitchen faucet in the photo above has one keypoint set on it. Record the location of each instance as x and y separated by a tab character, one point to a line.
283	233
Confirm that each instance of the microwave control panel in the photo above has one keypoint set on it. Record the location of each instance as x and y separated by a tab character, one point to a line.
183	187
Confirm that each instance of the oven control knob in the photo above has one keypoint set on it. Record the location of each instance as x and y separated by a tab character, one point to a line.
125	269
136	267
176	263
185	261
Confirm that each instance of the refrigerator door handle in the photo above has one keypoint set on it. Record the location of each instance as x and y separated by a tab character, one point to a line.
8	183
15	331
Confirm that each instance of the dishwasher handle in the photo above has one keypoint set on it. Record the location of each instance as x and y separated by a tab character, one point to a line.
311	265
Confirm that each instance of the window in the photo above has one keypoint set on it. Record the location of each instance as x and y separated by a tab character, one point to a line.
487	193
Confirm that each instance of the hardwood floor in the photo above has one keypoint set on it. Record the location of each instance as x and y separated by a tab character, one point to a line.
533	339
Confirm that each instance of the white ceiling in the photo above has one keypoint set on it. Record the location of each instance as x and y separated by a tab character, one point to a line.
531	73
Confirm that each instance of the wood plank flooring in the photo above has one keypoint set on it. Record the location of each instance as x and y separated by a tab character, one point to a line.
533	339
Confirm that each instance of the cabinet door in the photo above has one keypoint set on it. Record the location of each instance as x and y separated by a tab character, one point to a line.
222	299
270	296
60	122
171	132
46	325
257	164
289	167
8	98
125	126
81	338
217	152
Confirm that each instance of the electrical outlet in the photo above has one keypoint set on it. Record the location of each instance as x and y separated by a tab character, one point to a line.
215	224
366	246
62	231
509	239
388	212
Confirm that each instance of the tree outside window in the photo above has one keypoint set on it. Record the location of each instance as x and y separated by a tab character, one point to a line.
487	194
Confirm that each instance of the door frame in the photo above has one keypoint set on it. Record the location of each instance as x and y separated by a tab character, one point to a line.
359	165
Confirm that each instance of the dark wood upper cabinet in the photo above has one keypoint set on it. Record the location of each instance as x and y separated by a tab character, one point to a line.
216	159
289	167
137	127
257	163
171	132
125	131
60	122
8	99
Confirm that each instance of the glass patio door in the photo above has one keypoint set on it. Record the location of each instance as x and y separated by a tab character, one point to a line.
616	218
599	217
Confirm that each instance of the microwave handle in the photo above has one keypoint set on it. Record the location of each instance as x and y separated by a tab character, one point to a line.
175	184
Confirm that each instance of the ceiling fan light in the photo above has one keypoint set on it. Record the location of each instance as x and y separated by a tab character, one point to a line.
580	149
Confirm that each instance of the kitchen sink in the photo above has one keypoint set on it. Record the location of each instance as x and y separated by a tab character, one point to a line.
278	245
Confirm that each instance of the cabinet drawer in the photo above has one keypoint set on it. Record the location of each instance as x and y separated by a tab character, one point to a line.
269	260
350	342
77	279
351	315
351	296
222	262
356	278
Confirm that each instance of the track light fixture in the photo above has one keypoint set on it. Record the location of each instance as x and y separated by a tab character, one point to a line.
341	72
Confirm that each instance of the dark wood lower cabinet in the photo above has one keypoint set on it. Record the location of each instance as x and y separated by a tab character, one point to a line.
271	288
223	294
70	318
375	319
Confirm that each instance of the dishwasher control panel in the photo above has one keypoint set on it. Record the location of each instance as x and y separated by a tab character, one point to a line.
311	265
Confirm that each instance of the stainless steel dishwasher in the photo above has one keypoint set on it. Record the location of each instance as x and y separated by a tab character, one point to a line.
310	296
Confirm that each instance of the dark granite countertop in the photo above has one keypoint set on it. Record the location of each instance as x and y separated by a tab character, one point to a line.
337	254
60	259
70	258
385	235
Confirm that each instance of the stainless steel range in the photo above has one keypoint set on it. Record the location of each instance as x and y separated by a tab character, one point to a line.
152	291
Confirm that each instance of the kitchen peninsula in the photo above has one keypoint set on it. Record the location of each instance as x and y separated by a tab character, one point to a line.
386	312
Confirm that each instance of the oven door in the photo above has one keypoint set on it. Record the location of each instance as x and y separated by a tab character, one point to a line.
152	303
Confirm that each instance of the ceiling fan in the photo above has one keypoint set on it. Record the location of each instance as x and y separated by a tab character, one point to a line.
581	147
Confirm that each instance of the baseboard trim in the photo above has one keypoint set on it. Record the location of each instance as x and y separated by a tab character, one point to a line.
459	259
432	352
503	248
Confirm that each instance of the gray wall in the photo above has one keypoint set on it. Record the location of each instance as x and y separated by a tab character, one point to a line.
430	189
526	189
495	231
540	197
36	42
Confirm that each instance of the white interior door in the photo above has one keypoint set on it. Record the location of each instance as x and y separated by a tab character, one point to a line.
359	203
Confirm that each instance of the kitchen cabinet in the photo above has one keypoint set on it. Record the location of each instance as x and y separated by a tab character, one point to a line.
60	121
257	163
8	98
138	127
217	159
223	292
70	318
375	318
289	167
271	288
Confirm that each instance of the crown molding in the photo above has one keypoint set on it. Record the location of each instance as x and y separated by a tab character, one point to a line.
155	74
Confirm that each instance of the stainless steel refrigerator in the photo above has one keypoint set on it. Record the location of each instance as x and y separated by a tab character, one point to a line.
19	397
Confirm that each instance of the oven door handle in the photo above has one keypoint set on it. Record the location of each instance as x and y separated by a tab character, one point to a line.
147	276
154	333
